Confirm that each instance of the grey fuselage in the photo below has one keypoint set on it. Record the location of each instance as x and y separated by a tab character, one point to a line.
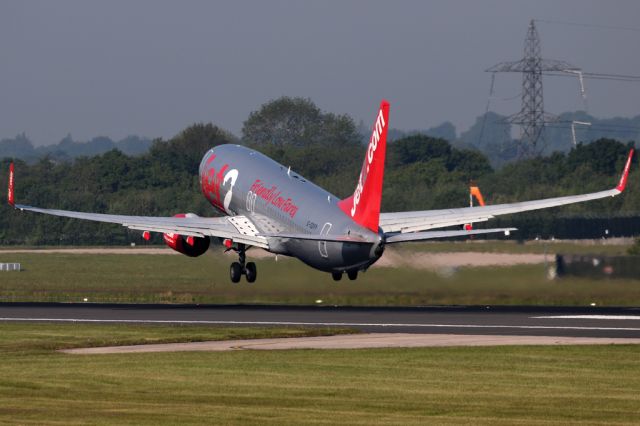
240	181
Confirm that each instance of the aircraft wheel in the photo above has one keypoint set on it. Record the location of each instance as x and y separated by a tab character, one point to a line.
251	272
235	272
353	274
337	276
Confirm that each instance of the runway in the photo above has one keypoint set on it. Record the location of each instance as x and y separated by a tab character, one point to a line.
460	320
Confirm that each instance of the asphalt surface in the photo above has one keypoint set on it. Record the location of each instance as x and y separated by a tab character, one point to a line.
469	320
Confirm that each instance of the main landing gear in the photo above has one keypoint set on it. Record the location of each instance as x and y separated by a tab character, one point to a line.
240	268
352	274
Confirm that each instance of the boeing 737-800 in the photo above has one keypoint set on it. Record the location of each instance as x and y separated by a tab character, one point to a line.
267	205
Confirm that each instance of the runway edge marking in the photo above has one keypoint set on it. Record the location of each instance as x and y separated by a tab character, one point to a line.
327	324
598	317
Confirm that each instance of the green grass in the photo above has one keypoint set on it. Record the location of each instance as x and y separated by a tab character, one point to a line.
499	385
602	247
178	279
35	338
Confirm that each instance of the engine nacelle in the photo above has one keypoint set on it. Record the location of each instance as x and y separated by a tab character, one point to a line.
189	246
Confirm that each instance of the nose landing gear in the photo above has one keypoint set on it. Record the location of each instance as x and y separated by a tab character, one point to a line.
240	268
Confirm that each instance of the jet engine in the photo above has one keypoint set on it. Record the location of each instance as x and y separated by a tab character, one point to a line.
187	245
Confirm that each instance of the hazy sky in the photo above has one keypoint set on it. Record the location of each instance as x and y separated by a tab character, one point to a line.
151	68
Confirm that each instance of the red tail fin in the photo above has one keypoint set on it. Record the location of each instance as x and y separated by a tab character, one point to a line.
10	196
364	205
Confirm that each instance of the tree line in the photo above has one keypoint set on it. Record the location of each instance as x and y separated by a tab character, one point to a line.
68	148
422	173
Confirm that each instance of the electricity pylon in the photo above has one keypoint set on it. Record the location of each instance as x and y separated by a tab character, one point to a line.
532	117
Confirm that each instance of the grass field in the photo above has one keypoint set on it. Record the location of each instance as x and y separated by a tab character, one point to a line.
178	279
494	385
617	246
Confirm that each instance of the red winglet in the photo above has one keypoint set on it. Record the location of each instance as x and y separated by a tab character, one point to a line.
10	196
623	179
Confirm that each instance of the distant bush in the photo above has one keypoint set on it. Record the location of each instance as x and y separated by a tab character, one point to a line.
634	250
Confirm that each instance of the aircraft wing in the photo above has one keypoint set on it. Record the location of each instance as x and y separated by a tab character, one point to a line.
237	228
415	221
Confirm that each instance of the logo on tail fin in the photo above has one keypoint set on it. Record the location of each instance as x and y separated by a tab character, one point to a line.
364	205
10	195
373	144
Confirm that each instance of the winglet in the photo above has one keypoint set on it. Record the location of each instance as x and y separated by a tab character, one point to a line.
10	196
623	179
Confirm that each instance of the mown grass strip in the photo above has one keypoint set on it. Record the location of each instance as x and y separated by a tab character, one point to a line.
493	385
178	279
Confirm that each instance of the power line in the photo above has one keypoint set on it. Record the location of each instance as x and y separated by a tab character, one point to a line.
532	116
508	98
604	75
579	24
597	76
617	126
486	110
566	125
597	128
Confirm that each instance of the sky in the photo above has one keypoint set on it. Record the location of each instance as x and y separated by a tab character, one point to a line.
151	68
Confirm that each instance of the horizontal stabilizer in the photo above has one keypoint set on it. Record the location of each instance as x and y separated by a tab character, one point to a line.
429	235
317	237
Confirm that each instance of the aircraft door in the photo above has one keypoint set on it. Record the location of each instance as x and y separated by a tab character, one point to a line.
322	245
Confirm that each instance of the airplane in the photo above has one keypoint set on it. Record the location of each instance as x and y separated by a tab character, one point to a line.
267	205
